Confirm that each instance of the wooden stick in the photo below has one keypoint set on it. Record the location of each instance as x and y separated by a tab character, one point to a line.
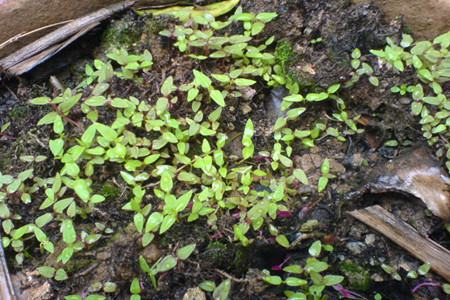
6	287
61	34
406	237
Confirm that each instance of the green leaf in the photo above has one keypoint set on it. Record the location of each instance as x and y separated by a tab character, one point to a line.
166	223
294	281
48	118
139	222
56	146
153	221
217	97
334	88
325	167
166	182
186	251
135	287
221	77
266	16
205	146
424	269
323	182
283	241
40	101
166	264
96	101
168	87
107	132
81	188
47	272
61	275
44	220
294	113
222	291
201	79
244	82
208	285
274	280
192	94
300	175
183	201
295	269
330	280
317	96
68	231
279	124
315	249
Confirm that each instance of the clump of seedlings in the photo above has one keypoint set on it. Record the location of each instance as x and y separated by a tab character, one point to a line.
175	167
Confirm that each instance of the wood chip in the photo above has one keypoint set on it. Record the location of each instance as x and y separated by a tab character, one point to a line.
406	237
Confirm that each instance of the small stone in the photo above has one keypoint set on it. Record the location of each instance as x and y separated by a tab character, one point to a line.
245	108
151	253
370	239
356	247
404	100
356	160
194	294
104	255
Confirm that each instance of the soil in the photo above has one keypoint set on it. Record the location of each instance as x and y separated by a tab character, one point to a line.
359	251
426	19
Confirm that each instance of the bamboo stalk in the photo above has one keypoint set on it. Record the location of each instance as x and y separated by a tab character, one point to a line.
6	287
61	34
406	237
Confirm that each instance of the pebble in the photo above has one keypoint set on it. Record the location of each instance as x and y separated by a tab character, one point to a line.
405	100
370	239
356	247
194	294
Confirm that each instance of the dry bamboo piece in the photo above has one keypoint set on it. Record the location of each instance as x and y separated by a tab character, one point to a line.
59	36
406	237
6	287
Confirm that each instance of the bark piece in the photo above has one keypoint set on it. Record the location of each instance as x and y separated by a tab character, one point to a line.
406	237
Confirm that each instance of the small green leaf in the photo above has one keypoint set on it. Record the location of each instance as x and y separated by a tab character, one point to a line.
222	291
82	189
166	223
330	280
283	241
274	280
244	82
294	281
424	269
166	264
201	79
315	249
323	182
217	97
61	275
166	182
68	231
186	251
47	272
208	285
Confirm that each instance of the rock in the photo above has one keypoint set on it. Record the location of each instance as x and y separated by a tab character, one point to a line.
356	247
369	239
194	294
417	173
151	253
404	100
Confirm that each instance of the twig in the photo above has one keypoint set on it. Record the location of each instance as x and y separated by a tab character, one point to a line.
24	34
231	277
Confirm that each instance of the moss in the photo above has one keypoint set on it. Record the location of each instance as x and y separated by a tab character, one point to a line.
284	53
110	190
19	112
122	33
358	278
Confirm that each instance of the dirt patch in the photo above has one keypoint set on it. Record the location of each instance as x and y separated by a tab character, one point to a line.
426	19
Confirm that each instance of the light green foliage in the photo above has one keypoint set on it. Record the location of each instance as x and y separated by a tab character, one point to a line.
430	63
312	281
177	161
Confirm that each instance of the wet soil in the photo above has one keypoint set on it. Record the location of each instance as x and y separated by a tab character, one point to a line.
359	251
